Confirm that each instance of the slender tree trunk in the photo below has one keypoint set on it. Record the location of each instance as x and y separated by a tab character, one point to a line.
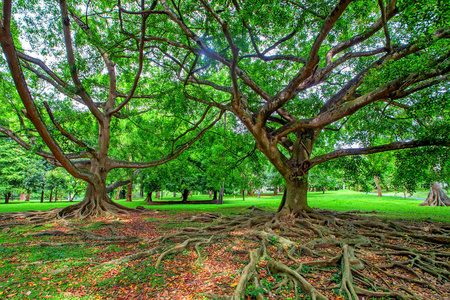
215	196
117	197
149	197
222	191
185	195
157	195
377	183
42	194
28	195
243	195
174	194
275	190
436	196
259	193
74	196
7	197
56	195
129	191
51	195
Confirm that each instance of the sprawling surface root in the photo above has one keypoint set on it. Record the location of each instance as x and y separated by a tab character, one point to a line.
324	255
320	255
88	208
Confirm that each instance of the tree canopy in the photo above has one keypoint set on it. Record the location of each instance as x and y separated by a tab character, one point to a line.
311	81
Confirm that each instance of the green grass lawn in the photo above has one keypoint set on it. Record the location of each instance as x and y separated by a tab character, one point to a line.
389	207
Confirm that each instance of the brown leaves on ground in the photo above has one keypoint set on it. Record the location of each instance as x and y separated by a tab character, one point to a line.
382	263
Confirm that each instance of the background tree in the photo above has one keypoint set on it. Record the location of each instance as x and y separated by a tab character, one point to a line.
431	170
13	166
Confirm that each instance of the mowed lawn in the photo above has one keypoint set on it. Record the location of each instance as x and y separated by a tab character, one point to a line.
388	207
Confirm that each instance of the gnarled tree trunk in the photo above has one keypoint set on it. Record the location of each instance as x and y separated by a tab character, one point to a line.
436	196
295	195
95	203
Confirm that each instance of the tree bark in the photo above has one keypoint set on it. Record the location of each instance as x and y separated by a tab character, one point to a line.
149	197
275	190
222	191
51	195
243	195
28	195
117	197
7	197
377	183
42	194
436	196
157	195
129	191
296	195
185	195
215	195
56	195
96	203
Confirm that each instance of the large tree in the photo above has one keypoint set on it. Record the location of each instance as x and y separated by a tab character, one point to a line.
313	80
70	86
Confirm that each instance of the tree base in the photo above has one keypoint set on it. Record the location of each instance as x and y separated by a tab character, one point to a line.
436	196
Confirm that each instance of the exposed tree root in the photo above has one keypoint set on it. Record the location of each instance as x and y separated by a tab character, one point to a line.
320	255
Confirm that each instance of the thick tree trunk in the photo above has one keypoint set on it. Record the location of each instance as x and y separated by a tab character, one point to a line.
149	197
28	195
296	196
185	195
436	196
377	183
215	195
275	190
129	191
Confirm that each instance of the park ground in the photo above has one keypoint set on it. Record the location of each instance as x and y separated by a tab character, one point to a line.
120	258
